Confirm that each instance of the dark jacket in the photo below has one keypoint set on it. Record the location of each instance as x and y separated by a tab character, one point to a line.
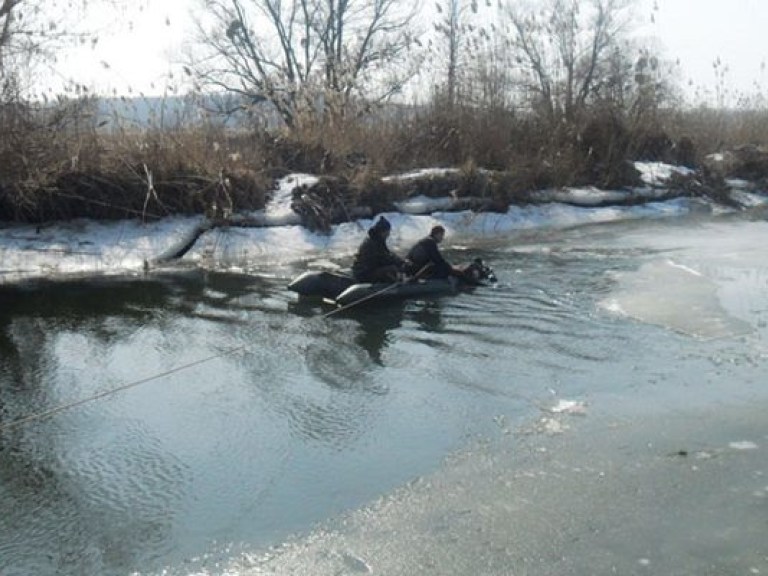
372	255
424	252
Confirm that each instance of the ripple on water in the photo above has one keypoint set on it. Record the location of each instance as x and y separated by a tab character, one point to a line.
102	498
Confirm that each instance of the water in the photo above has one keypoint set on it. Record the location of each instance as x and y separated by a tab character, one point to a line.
269	419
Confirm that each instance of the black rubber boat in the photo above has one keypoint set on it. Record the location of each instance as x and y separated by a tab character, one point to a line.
342	289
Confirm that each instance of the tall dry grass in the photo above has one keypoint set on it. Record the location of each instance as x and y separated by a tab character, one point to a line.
65	161
68	160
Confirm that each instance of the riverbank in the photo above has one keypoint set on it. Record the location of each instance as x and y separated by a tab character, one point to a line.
283	232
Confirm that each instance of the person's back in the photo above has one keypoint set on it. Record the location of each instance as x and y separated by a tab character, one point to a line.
374	262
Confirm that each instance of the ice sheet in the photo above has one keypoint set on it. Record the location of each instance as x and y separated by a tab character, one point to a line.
677	297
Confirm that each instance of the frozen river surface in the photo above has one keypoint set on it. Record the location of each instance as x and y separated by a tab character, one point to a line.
601	410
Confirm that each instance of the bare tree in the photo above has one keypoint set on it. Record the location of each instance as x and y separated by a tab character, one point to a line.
33	31
7	31
564	50
449	26
465	51
306	55
15	41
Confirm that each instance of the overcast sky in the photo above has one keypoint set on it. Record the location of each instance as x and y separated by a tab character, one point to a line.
136	49
696	32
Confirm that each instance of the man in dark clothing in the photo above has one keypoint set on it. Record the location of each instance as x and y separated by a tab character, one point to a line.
425	259
374	262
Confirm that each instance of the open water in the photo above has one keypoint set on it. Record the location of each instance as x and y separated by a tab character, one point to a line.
238	427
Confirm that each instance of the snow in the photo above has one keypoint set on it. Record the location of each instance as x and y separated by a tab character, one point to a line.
423	205
658	173
278	211
423	173
84	247
743	445
737	183
569	407
589	196
130	247
748	199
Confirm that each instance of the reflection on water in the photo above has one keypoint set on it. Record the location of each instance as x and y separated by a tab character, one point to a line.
312	415
370	326
374	329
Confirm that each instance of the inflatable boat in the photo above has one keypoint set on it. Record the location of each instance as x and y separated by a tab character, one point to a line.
342	289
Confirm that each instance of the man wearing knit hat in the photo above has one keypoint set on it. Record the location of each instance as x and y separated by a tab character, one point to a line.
375	262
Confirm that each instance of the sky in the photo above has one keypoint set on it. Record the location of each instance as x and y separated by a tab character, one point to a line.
147	39
137	49
698	32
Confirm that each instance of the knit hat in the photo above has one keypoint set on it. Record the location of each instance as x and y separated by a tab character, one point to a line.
382	225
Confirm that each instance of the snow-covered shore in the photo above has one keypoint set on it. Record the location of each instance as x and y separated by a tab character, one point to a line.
88	248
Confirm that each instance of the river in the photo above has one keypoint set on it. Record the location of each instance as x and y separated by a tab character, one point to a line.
522	428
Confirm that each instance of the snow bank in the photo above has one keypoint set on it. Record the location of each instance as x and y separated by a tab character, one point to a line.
86	247
130	247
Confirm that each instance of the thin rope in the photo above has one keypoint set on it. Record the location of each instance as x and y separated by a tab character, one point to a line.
369	297
105	393
68	406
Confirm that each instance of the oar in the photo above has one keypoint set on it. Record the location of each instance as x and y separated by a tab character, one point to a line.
413	278
420	273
